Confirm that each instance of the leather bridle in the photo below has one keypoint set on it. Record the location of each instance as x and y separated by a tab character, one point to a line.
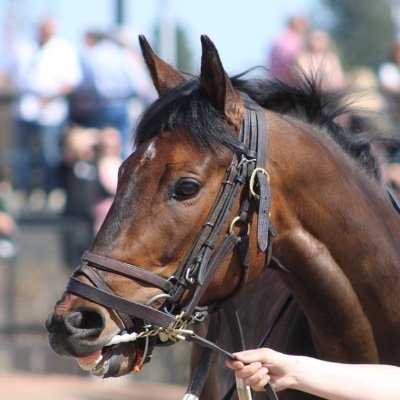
183	291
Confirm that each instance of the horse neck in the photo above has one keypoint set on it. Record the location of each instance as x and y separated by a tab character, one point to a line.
322	189
334	223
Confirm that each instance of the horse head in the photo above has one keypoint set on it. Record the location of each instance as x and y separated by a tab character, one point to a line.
163	254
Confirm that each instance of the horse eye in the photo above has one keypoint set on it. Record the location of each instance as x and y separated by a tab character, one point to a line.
186	188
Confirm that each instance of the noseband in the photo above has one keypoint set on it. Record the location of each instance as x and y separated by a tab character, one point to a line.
182	291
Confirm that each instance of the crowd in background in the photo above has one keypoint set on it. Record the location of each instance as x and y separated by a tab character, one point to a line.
301	51
75	110
73	117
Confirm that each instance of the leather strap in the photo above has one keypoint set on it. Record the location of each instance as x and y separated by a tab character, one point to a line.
110	300
394	197
264	201
199	376
128	270
258	122
224	249
91	274
201	250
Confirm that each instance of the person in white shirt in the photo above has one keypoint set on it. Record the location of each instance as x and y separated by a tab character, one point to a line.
44	75
110	83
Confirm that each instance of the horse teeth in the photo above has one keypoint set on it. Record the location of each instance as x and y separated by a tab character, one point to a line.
124	338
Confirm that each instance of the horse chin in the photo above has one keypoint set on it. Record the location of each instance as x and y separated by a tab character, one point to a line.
113	361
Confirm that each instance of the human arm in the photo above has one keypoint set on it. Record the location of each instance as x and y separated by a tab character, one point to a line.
328	380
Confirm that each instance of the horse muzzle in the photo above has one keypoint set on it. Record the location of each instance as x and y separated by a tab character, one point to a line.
79	334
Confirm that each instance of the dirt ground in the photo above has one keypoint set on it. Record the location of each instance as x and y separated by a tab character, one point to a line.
23	386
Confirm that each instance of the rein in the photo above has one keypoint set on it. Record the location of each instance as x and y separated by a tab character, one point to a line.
182	291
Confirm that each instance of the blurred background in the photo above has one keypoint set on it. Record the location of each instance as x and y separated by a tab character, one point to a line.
72	86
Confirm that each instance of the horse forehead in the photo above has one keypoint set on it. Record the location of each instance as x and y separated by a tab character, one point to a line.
157	155
149	153
168	148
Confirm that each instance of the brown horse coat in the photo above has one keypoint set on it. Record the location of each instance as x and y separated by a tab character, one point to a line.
338	237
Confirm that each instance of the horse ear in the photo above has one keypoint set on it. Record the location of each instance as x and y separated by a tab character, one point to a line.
218	86
163	75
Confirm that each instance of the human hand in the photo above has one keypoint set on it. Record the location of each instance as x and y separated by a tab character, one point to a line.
254	374
261	366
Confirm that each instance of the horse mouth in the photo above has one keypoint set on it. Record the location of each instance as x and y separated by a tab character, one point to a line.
118	357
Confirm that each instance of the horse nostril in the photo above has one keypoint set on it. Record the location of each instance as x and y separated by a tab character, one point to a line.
87	323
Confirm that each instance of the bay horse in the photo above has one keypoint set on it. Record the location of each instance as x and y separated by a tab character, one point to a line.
230	175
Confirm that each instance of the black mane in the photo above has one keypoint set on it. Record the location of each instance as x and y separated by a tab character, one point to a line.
187	107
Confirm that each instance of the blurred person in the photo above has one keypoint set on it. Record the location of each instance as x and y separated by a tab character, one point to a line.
286	48
90	175
84	99
367	101
78	174
8	226
389	79
319	60
145	91
7	231
44	74
110	83
389	72
144	87
328	380
7	223
108	163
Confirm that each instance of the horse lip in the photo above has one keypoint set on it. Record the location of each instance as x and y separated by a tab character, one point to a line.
90	362
111	360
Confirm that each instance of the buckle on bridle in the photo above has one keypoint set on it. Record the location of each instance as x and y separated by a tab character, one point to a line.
253	178
236	221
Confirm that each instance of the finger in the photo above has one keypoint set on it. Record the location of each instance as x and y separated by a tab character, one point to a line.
248	370
250	356
260	386
233	364
254	379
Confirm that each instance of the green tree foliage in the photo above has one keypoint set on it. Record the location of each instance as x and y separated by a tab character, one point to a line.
363	30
